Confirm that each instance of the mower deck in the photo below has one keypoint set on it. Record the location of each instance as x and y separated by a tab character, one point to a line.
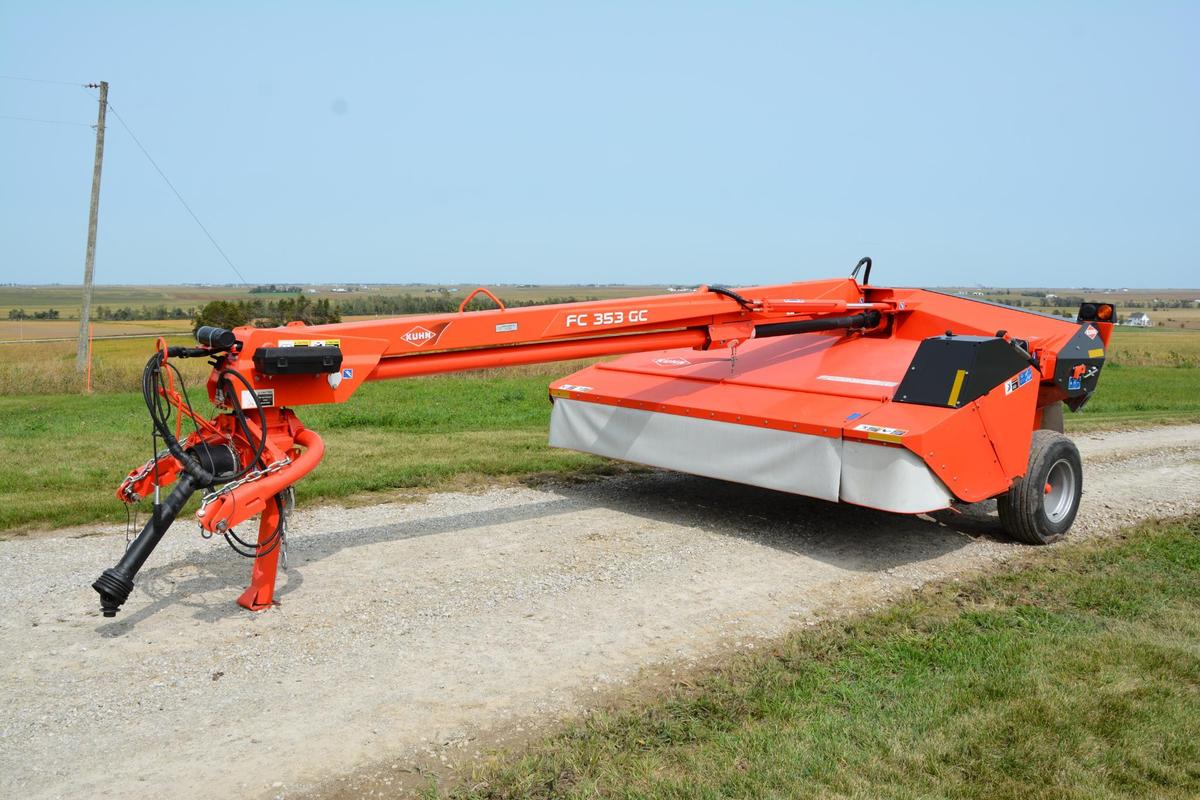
908	419
807	414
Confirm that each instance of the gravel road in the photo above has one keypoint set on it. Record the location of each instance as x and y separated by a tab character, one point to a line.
407	631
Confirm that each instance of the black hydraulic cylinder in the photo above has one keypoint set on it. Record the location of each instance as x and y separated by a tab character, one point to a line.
866	319
115	584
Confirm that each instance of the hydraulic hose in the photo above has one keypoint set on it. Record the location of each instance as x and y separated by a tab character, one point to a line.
191	465
865	319
150	394
115	584
240	417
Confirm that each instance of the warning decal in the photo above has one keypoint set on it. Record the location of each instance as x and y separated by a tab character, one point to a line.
1024	377
881	433
266	398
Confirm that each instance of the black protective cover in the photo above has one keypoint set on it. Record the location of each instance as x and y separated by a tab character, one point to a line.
1077	370
297	360
988	361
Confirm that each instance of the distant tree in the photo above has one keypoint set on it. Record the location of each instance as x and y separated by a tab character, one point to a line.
272	288
300	309
221	314
16	313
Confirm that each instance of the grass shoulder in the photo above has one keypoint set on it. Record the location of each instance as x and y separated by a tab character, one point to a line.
1077	676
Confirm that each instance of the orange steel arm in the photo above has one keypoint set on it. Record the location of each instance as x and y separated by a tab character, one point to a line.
436	343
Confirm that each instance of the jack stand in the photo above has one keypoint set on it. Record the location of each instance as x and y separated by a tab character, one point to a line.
260	595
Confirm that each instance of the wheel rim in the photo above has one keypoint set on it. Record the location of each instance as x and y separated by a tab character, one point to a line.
1060	491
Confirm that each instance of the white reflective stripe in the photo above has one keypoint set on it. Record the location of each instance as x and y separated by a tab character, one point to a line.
863	381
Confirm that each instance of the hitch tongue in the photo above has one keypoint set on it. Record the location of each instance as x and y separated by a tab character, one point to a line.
115	584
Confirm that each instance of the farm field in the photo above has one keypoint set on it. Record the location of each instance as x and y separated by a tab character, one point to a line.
1168	308
65	298
42	330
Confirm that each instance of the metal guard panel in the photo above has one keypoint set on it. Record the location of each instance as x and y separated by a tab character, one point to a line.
952	371
1077	369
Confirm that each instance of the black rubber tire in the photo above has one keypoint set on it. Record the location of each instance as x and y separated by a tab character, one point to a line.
1023	509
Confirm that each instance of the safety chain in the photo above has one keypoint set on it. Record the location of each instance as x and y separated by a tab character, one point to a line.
249	477
289	504
146	469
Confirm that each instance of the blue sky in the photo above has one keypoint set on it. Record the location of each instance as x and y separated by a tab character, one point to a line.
1005	144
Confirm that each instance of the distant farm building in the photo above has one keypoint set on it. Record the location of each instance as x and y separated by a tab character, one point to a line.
1138	320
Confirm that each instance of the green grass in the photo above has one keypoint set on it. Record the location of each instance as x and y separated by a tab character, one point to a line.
1151	376
62	456
1139	396
1075	678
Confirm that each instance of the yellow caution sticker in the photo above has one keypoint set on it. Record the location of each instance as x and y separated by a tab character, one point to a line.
310	342
956	389
1097	353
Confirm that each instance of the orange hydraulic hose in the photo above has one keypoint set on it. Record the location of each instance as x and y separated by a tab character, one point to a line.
488	358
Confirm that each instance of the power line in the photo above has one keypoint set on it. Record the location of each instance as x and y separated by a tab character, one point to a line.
84	88
48	121
40	80
182	202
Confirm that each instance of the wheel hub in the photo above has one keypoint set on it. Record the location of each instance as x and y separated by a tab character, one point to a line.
1059	495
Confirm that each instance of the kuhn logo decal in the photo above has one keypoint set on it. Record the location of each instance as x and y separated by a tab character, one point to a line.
419	335
672	362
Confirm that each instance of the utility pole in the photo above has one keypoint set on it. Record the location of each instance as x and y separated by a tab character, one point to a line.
83	354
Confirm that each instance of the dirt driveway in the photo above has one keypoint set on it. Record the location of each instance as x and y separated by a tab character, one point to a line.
404	630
